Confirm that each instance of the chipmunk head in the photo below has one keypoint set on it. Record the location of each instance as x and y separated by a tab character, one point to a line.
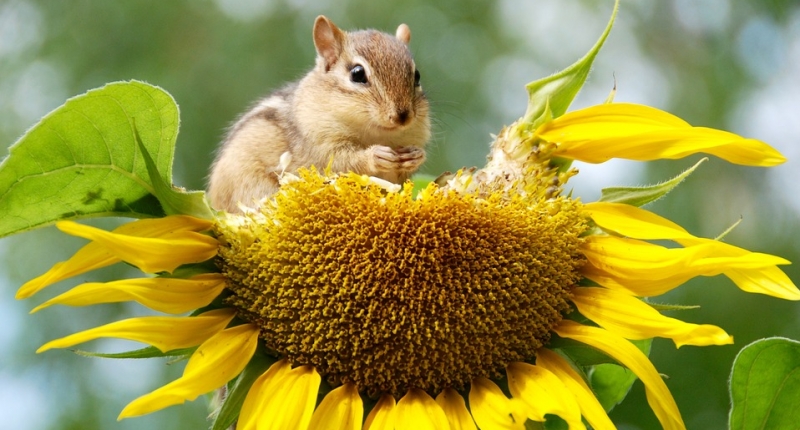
376	74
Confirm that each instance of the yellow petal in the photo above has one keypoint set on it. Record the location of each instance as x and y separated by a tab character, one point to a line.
633	319
261	389
767	280
455	409
151	255
636	132
168	295
638	223
341	409
658	395
491	408
165	333
418	411
630	221
216	361
382	415
90	257
156	227
282	398
648	269
93	256
591	409
543	393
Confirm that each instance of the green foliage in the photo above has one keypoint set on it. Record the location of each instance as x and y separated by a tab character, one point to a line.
640	196
765	385
81	160
173	200
551	96
612	382
147	352
421	181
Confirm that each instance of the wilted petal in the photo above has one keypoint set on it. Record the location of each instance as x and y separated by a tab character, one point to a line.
169	295
217	361
455	409
591	408
658	395
418	411
631	318
636	132
341	409
543	393
164	333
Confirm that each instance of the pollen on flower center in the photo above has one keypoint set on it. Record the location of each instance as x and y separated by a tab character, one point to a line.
392	293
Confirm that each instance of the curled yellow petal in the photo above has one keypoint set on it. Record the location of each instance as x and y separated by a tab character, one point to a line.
151	255
382	415
216	361
648	269
455	409
630	221
418	411
168	295
591	409
543	393
341	409
631	318
93	256
491	408
90	257
282	398
636	132
760	277
658	395
164	333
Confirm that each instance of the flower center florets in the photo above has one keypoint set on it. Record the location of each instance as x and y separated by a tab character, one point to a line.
390	292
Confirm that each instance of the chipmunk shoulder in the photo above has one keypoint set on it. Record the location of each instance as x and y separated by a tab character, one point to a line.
360	109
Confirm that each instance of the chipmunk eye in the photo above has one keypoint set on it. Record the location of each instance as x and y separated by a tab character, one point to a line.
416	78
358	74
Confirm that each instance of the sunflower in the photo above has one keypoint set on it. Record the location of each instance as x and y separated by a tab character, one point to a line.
408	306
346	302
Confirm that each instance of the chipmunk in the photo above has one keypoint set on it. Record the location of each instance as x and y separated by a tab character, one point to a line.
360	109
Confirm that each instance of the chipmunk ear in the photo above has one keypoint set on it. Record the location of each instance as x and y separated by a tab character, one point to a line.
328	40
403	33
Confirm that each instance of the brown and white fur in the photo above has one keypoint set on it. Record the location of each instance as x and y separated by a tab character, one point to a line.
330	117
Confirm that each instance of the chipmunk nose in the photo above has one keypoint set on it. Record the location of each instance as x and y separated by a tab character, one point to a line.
401	117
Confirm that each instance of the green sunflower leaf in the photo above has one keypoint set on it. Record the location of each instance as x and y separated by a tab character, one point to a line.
148	352
612	382
553	95
237	391
640	196
173	200
81	160
765	385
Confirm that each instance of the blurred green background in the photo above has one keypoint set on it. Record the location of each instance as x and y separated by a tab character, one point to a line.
725	64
